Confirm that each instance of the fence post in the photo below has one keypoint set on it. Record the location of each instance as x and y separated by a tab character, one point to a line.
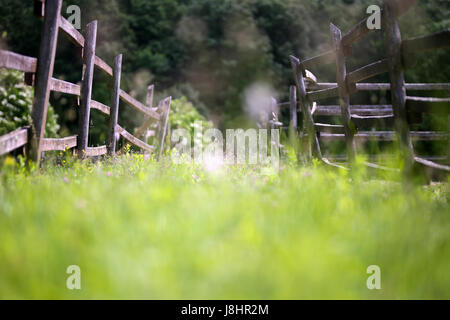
273	112
44	75
86	89
293	110
397	78
115	99
162	132
308	121
344	97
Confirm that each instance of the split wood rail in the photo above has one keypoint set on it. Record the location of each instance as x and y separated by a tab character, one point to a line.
39	73
306	95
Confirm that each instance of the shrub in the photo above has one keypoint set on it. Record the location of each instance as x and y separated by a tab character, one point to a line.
183	115
16	100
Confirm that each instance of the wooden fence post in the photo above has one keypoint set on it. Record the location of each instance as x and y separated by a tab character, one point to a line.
162	131
293	109
344	97
273	114
308	121
397	78
115	99
86	89
44	75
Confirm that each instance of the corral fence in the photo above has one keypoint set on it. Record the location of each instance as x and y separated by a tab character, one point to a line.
39	73
405	110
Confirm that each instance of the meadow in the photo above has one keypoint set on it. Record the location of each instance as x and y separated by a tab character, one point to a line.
141	229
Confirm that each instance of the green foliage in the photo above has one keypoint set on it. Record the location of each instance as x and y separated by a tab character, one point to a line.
145	230
219	48
183	115
16	101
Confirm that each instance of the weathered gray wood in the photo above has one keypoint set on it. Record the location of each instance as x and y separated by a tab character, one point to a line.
293	108
356	110
368	71
125	97
427	99
386	136
383	86
102	65
330	127
327	57
133	140
162	130
372	121
44	75
101	107
115	99
13	140
430	42
344	97
323	94
65	87
308	121
11	60
382	157
61	144
73	34
356	32
273	113
397	79
328	162
431	164
96	151
86	89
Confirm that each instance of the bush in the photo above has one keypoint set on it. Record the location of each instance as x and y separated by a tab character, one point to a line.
16	100
183	115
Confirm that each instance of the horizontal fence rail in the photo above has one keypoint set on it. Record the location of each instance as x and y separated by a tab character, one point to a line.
13	141
14	61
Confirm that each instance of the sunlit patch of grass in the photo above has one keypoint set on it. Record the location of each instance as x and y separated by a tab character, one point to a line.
143	229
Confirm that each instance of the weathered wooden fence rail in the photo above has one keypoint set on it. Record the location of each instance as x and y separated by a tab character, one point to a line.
404	109
39	73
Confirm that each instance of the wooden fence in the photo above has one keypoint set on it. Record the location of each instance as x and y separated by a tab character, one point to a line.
39	73
403	111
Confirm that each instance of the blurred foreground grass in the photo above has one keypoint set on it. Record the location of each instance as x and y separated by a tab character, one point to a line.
145	230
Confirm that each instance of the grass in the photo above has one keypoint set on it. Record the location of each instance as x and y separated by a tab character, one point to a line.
145	230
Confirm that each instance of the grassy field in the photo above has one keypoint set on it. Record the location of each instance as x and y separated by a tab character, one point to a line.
145	230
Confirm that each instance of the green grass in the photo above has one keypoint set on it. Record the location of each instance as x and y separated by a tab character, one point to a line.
145	230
